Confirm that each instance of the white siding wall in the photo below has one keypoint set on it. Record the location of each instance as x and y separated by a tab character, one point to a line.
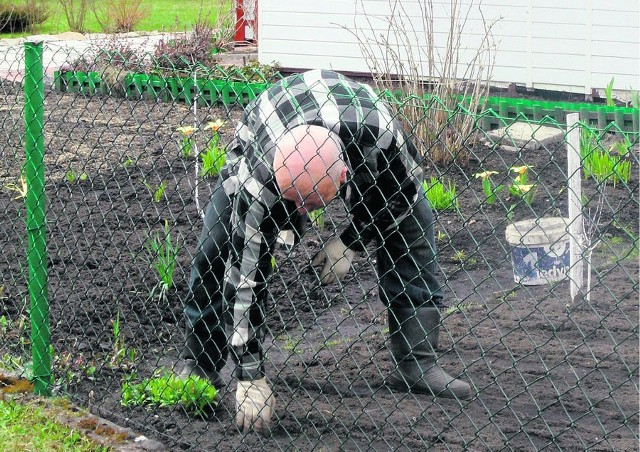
562	45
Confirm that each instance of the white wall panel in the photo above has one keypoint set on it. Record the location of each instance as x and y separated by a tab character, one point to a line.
565	45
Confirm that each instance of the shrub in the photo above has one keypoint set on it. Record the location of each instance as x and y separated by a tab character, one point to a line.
186	51
20	18
118	16
75	12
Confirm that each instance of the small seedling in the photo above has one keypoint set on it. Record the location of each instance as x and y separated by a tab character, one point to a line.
195	394
317	218
158	192
121	355
163	255
20	188
186	140
440	197
71	176
490	191
608	94
213	160
521	188
604	165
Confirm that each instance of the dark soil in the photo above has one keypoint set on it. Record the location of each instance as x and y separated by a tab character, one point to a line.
548	372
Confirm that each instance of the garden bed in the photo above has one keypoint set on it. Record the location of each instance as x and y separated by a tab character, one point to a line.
548	373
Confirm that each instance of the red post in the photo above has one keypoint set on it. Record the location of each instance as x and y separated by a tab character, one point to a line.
241	23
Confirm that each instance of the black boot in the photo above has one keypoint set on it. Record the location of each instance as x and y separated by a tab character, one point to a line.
197	362
192	369
413	343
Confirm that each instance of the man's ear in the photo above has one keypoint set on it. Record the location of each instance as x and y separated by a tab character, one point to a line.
343	176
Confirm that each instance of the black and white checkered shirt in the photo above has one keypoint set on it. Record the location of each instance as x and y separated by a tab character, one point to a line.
384	179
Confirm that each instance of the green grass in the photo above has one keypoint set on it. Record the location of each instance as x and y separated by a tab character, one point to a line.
31	426
164	15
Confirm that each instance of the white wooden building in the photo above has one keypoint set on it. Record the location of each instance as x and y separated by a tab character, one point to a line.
561	45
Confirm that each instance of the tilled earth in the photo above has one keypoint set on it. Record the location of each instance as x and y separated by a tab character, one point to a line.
548	373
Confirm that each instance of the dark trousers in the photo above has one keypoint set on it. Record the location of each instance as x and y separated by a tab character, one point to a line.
406	266
205	306
407	261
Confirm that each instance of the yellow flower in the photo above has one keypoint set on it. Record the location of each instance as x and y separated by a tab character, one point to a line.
523	188
485	174
214	126
186	131
520	169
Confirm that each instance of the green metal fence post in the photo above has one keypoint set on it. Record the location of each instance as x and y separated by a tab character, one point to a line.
36	221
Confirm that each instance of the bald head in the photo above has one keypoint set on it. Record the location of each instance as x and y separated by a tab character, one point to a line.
308	166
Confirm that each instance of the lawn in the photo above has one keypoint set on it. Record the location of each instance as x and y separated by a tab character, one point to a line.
162	15
31	426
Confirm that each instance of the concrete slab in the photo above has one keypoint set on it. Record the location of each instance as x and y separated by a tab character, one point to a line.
523	135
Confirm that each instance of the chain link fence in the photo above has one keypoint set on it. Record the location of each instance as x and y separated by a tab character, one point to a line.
130	160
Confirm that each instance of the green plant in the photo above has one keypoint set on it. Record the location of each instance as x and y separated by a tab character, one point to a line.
157	192
440	196
604	165
317	218
163	257
462	307
490	191
121	355
20	188
31	424
635	98
195	394
521	188
71	176
214	158
186	140
608	94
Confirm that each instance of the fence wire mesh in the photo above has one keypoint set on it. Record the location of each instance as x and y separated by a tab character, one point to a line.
131	160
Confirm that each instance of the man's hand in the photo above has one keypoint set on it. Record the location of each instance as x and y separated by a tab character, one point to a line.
255	404
335	259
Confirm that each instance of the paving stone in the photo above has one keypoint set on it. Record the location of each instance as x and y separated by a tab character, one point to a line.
523	135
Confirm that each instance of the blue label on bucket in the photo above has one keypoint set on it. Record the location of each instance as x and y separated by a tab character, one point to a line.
536	265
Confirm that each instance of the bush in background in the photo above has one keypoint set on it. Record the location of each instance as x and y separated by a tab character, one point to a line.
18	18
75	11
119	16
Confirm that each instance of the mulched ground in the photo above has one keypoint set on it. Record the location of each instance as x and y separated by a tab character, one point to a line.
547	372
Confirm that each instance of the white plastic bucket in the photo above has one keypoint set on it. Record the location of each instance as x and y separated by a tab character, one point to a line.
540	252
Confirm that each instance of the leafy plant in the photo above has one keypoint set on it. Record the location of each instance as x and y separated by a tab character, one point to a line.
214	158
157	192
121	355
20	188
608	94
490	191
317	218
71	176
163	257
604	165
186	141
440	196
195	394
521	188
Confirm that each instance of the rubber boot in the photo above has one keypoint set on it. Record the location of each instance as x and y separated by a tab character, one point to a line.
203	367
192	369
413	344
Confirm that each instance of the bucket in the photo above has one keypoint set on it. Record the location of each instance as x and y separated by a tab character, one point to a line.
540	252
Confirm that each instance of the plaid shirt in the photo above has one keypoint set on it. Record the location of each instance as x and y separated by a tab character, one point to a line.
384	179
